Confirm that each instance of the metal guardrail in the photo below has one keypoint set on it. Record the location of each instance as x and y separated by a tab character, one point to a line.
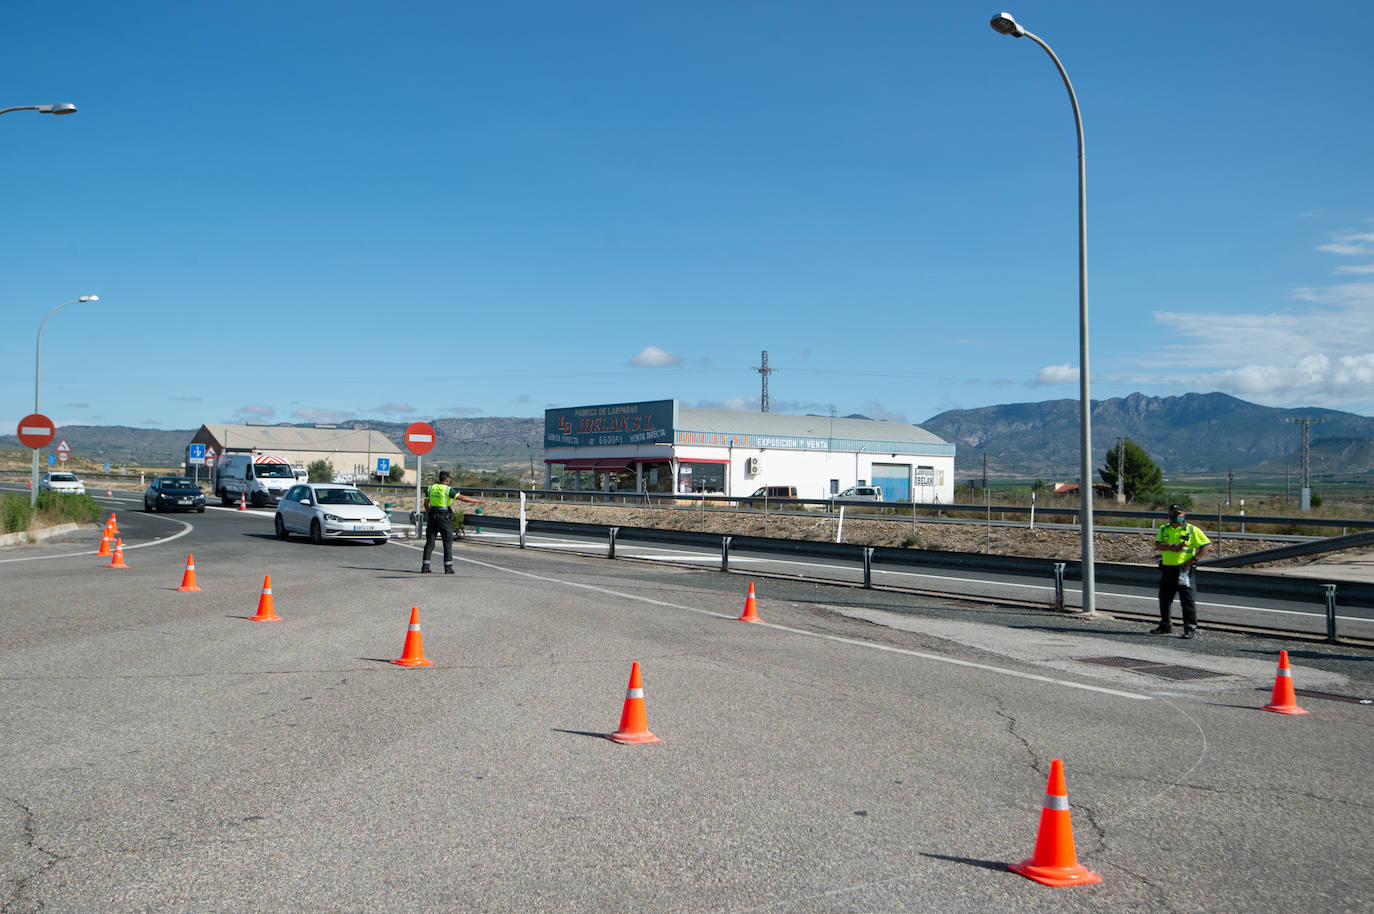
1225	583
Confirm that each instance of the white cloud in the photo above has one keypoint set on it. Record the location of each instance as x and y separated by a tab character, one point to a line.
1350	244
652	356
255	411
395	407
1055	374
1353	268
875	410
462	412
326	416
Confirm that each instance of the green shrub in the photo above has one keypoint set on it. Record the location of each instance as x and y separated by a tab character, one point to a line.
320	471
56	508
16	512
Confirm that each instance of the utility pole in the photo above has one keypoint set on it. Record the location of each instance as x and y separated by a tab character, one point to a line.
1230	480
1305	492
765	371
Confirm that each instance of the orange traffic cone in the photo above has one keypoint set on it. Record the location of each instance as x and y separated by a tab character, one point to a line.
413	654
113	525
1054	862
750	609
118	560
634	727
109	492
265	613
104	542
188	580
1284	701
243	504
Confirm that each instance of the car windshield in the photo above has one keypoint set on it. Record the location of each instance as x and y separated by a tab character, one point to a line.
342	497
174	483
273	471
61	477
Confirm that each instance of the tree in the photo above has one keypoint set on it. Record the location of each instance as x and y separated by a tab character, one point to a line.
397	473
320	471
1142	480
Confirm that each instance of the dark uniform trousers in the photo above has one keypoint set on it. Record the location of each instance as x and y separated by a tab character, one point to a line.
439	522
1168	586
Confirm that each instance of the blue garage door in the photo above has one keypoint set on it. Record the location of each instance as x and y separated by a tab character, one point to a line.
894	479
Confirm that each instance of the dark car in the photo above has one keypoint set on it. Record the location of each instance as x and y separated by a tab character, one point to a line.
173	493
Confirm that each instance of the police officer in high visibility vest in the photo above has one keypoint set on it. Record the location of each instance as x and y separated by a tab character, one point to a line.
439	518
1179	545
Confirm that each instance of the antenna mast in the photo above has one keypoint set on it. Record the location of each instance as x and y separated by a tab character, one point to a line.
765	371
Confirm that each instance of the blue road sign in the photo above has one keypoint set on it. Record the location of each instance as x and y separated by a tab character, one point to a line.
383	464
197	452
52	460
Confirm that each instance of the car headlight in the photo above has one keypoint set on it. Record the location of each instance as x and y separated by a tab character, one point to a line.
334	517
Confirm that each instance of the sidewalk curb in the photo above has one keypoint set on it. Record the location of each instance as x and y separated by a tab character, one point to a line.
24	537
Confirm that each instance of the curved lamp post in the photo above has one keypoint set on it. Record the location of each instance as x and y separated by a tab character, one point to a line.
1004	24
37	351
64	108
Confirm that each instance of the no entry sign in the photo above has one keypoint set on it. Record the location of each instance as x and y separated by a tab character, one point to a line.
36	430
419	437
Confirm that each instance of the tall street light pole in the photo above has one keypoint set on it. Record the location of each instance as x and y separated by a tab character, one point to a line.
1004	24
37	355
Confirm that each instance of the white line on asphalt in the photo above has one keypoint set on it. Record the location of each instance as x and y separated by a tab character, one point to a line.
796	631
156	542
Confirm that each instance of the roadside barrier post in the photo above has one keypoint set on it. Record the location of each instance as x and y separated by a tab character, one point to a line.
1330	611
1059	585
610	552
725	553
868	567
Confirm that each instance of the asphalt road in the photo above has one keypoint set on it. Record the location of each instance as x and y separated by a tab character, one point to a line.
858	751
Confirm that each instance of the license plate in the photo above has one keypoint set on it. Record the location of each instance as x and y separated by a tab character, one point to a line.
183	501
360	528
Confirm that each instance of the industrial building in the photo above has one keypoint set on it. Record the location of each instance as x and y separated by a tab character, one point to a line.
661	447
351	451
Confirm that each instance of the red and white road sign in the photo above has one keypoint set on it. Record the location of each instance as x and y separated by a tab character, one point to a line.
64	450
36	430
209	456
419	437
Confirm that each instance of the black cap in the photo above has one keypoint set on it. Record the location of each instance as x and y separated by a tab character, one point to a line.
444	474
1177	509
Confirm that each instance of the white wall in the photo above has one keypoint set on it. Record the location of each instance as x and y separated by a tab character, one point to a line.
811	471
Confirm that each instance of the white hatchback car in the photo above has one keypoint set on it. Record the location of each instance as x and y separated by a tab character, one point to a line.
325	511
66	483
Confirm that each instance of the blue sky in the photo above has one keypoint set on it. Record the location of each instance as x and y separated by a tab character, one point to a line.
310	212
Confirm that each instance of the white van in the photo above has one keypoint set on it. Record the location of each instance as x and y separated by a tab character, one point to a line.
261	478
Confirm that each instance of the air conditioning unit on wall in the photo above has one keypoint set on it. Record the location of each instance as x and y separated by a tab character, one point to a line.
751	466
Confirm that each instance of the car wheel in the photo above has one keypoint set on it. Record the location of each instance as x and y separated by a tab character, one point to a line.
200	510
280	527
146	507
224	498
380	542
316	534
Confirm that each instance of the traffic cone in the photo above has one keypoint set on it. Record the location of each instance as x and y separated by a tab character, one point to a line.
1054	862
1284	701
188	580
265	613
243	504
118	560
750	609
109	492
113	525
634	728
413	653
104	542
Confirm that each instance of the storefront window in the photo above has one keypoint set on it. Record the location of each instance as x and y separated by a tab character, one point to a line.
701	477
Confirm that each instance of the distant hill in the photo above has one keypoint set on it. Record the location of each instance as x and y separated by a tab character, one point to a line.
1194	433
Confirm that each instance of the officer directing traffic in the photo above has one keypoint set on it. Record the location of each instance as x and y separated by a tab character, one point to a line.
1179	545
439	518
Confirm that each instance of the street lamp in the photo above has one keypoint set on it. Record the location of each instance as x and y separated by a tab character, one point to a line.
64	108
37	351
1004	24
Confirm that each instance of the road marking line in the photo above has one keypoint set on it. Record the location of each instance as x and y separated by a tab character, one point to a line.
797	631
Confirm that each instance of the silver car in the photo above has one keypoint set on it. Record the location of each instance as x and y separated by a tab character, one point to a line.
325	511
66	483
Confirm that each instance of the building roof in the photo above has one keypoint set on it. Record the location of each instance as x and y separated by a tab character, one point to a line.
735	422
290	438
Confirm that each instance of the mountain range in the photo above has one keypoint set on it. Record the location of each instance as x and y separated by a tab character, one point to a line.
1192	433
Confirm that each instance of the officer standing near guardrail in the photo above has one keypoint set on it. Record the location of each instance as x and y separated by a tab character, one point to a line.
1179	545
439	518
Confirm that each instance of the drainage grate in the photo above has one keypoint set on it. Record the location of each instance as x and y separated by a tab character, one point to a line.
1162	670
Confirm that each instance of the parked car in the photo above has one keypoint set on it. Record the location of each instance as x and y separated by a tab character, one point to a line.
260	478
325	511
173	493
66	483
860	494
775	492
